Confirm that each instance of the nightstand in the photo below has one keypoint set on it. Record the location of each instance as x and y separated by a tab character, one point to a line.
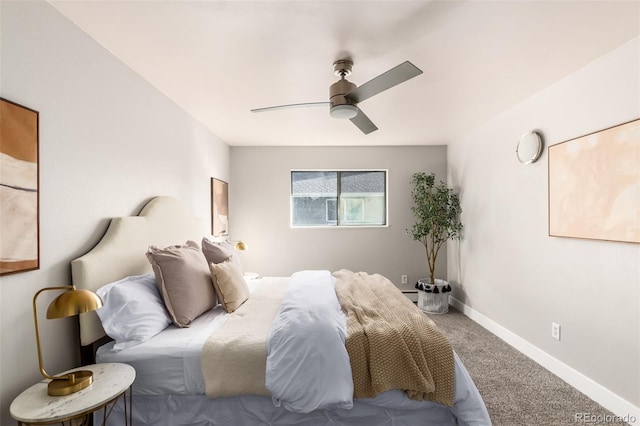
110	382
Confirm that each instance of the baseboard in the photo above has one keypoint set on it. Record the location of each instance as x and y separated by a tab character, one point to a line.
603	396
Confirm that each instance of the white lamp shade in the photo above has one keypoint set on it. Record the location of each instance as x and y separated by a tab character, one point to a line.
344	111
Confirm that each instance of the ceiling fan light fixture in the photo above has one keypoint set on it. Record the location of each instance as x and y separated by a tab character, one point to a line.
344	111
345	96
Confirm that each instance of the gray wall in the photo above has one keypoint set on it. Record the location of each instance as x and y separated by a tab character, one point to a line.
510	270
259	212
108	143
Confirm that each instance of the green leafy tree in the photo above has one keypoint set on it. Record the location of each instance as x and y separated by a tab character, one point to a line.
437	211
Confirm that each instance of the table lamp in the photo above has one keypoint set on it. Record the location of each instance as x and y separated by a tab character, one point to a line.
240	245
71	302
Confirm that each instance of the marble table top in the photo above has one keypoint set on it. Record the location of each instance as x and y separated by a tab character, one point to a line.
109	381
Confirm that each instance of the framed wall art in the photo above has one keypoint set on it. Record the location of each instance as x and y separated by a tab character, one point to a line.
594	185
19	197
219	208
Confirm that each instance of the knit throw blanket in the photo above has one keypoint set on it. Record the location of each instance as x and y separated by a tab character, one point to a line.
391	343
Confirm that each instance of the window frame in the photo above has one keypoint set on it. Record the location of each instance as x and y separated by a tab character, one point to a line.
341	223
328	219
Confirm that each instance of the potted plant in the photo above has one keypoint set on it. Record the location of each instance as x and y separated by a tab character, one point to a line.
437	211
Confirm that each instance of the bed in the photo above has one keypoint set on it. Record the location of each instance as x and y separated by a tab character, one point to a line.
172	384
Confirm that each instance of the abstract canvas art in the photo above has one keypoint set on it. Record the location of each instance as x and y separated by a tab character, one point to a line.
594	185
19	214
219	208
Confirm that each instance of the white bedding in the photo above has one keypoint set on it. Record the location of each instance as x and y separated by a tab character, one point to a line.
175	396
174	351
304	374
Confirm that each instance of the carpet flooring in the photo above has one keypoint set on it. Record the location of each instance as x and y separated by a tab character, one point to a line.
516	390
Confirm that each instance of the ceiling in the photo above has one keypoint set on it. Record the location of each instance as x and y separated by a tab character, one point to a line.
219	59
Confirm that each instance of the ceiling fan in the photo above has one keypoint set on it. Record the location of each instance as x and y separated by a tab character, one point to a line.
345	96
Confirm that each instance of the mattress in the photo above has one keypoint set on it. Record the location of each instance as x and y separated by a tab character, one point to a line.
388	408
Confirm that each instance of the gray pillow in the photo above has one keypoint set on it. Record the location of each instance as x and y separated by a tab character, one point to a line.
184	281
218	252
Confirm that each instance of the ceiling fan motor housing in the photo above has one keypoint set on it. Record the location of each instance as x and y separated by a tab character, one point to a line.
341	106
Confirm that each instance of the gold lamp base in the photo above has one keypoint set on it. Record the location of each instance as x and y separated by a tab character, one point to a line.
73	382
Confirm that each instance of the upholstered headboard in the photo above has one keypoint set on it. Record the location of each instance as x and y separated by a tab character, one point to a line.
121	251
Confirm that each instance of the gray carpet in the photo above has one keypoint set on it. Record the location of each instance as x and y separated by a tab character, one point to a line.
516	390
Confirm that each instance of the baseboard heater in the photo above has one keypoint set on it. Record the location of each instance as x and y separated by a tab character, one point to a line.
411	294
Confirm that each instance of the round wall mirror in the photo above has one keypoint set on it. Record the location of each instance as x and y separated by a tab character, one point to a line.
529	147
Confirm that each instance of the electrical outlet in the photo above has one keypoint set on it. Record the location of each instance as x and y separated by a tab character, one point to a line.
555	330
403	278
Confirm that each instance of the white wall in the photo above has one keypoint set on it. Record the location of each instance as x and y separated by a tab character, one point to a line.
108	143
260	212
508	269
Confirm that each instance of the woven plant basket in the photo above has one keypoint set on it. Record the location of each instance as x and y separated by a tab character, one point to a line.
433	298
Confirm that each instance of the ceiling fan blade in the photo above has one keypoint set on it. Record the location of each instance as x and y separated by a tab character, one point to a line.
307	104
384	81
363	123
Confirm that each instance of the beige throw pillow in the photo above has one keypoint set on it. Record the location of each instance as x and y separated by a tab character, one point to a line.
230	285
184	281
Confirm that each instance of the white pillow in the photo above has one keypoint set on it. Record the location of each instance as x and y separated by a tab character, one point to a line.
132	310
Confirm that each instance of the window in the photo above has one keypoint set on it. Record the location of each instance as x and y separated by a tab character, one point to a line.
339	198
